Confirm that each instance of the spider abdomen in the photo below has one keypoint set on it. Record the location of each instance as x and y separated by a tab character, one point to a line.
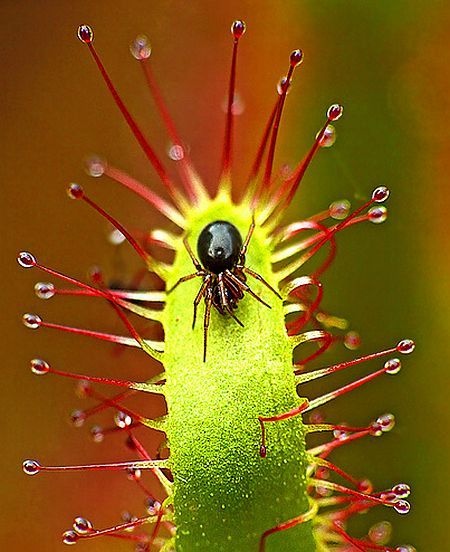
218	246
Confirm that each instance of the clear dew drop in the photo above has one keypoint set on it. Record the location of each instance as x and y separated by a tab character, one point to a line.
26	259
31	467
393	366
406	346
70	537
340	209
335	112
140	48
380	194
380	533
95	166
85	34
328	138
44	290
377	215
82	526
122	420
402	507
39	367
32	321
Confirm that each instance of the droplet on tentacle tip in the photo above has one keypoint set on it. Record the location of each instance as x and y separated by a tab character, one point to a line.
26	259
296	57
122	420
340	209
352	340
377	215
95	166
115	237
140	48
406	346
70	537
75	191
77	418
39	367
31	467
238	28
176	152
402	507
97	434
380	194
335	112
44	290
32	321
365	486
380	533
402	490
383	424
82	526
393	366
85	34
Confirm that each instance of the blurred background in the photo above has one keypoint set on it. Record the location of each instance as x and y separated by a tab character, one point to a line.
384	61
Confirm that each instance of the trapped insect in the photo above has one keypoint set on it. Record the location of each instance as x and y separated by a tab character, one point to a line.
222	255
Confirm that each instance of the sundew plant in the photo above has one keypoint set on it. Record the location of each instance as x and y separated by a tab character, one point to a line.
240	309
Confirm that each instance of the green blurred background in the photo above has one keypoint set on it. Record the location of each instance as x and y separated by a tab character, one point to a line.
386	61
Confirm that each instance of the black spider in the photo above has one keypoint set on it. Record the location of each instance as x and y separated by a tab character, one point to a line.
222	267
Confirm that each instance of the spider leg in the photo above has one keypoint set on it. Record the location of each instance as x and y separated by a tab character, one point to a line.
245	287
186	279
260	279
244	247
224	300
194	259
206	319
198	297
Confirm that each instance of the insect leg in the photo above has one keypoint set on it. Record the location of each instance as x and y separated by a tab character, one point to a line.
186	279
224	300
260	279
194	259
247	239
245	287
198	297
206	319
